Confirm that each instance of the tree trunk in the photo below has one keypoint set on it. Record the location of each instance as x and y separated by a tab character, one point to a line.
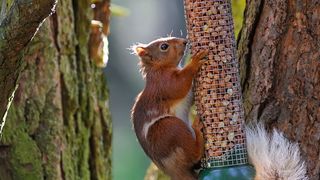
58	126
279	51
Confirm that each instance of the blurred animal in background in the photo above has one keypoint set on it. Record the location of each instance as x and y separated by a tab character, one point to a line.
98	42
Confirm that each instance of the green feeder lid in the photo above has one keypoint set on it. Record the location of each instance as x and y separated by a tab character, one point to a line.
242	172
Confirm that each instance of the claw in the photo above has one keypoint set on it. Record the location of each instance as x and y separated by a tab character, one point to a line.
202	61
201	54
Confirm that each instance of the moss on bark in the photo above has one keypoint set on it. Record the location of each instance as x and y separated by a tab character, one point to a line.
59	125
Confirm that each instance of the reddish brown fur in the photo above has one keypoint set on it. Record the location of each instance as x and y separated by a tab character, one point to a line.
168	141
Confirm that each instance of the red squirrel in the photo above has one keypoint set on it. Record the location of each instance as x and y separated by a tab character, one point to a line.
160	113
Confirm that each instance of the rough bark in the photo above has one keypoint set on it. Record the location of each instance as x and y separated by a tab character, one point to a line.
59	126
16	30
279	50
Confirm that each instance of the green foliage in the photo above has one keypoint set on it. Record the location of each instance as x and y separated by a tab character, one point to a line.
154	173
117	10
8	4
237	12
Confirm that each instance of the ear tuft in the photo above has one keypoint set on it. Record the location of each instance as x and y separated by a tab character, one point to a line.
139	49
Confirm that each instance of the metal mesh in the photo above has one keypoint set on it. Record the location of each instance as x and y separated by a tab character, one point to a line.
217	85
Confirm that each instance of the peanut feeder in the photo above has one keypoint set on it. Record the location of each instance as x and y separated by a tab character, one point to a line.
217	87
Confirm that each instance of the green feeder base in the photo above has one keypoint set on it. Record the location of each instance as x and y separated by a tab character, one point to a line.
241	172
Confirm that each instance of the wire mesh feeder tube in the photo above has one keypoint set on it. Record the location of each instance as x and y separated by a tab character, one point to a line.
217	87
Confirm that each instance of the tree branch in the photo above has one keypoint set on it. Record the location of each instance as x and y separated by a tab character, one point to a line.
16	30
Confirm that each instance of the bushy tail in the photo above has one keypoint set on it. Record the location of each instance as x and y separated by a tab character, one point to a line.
274	156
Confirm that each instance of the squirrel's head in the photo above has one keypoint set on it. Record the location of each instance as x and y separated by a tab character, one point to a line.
161	52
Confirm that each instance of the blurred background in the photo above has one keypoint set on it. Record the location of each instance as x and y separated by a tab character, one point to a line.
138	21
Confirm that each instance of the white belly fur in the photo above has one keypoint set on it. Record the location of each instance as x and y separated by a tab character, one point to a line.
182	109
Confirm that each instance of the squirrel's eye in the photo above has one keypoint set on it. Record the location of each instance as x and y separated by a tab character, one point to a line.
164	46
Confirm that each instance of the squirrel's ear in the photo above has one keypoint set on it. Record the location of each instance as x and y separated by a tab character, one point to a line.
141	51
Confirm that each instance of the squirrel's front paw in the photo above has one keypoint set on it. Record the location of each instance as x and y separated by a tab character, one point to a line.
198	57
